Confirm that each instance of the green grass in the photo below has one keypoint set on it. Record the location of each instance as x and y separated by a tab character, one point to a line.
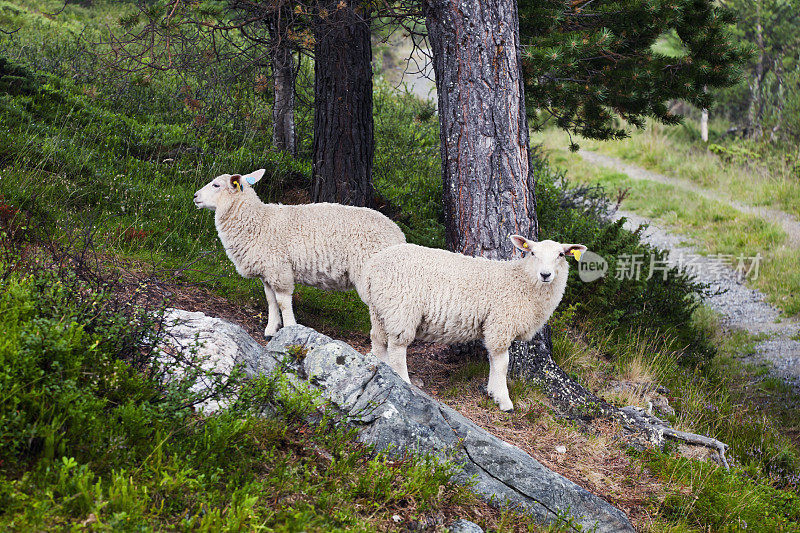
331	311
713	227
735	170
706	498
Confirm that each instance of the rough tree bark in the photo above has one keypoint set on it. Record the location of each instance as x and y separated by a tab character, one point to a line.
343	125
488	183
283	72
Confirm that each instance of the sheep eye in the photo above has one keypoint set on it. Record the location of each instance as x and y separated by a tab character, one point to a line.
561	254
216	186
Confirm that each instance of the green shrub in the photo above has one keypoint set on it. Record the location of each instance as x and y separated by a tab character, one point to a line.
71	368
407	170
618	302
717	500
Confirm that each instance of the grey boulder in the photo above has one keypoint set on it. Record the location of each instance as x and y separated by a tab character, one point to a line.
397	417
464	526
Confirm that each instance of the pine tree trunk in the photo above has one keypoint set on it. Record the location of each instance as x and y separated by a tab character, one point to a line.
488	184
343	125
283	72
489	189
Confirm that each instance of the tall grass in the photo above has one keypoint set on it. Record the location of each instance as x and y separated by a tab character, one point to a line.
735	170
714	227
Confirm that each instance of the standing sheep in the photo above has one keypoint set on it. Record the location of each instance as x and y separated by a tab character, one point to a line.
321	245
415	292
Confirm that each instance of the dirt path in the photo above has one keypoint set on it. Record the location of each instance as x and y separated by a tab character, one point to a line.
741	307
787	222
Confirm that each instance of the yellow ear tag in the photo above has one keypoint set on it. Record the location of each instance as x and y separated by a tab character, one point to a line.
525	245
576	254
239	186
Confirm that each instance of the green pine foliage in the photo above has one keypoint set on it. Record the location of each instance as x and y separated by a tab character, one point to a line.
587	64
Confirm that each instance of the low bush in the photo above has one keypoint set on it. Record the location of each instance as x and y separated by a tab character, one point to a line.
92	433
407	170
628	297
713	499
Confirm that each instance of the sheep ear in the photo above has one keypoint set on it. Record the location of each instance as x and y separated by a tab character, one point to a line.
521	243
236	182
575	250
253	177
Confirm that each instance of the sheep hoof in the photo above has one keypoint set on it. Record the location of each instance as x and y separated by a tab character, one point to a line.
505	406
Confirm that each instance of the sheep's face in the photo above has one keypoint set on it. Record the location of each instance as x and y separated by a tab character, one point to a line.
223	189
548	258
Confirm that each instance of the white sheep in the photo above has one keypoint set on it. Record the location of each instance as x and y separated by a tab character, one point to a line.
322	245
415	292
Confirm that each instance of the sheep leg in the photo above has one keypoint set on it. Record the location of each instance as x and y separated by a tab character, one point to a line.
397	358
378	337
497	386
285	303
274	317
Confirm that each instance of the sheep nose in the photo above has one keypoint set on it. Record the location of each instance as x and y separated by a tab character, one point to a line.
545	276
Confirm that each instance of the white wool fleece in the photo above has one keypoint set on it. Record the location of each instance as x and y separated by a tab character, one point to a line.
415	292
321	245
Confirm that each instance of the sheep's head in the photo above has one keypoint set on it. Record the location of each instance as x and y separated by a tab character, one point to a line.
223	190
548	258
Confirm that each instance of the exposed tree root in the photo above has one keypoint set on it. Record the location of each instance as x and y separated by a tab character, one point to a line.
533	361
658	431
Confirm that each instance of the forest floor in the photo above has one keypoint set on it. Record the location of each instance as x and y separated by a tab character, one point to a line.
777	337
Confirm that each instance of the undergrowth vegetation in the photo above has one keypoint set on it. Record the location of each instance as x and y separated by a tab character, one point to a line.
91	433
760	172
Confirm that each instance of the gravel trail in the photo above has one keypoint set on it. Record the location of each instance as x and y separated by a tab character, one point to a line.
740	306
